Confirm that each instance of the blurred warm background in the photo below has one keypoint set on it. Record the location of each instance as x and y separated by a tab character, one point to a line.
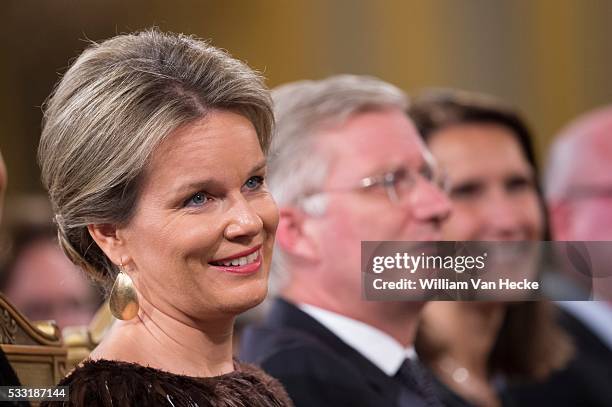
551	58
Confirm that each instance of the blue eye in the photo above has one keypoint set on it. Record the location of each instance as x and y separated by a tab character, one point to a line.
198	199
254	183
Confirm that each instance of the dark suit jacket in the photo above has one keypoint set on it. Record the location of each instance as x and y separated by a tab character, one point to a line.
315	366
585	382
9	378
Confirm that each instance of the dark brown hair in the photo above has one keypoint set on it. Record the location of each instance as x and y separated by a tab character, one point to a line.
438	109
530	344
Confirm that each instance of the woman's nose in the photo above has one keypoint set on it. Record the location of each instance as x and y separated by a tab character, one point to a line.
242	221
504	218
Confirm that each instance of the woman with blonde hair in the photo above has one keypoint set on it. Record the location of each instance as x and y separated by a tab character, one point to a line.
153	153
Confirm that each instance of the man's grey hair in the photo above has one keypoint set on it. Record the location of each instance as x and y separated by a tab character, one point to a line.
302	110
559	168
574	148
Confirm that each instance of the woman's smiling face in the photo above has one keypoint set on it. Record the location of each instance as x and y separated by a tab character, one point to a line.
493	190
199	243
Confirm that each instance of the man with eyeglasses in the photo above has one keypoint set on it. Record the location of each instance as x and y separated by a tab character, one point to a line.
578	188
346	165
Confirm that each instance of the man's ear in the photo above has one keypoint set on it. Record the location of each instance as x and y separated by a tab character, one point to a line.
294	237
106	237
560	213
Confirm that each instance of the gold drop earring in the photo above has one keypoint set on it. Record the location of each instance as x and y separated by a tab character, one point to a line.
123	301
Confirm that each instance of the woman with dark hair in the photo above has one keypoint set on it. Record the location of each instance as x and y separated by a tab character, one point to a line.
153	153
472	347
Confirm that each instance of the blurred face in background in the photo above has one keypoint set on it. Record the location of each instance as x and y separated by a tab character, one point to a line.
585	211
494	198
582	170
45	285
493	189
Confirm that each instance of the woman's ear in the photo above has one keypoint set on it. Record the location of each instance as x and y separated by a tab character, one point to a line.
106	237
293	236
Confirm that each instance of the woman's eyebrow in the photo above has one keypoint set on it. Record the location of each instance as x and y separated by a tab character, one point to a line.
205	184
259	166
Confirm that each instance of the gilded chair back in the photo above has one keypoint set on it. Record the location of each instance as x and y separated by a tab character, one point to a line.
34	349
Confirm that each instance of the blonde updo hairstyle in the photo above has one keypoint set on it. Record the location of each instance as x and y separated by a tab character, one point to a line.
111	109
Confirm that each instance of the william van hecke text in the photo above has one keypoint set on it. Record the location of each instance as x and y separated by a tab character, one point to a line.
449	284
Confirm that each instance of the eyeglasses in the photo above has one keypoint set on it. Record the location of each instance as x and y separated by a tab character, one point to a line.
397	183
590	191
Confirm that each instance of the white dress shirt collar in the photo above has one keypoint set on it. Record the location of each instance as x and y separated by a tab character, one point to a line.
596	315
378	347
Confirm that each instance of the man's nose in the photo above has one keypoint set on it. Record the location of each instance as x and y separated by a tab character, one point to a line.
430	203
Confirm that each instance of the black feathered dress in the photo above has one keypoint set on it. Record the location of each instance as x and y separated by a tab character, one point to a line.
121	384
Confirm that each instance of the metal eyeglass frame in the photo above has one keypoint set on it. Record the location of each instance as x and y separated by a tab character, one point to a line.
388	180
